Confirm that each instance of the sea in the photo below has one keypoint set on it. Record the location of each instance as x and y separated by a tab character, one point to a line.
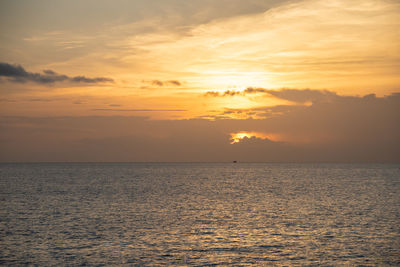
199	214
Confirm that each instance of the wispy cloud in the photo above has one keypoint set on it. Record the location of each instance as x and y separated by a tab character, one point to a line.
298	100
136	110
283	47
302	96
249	90
294	95
166	83
16	73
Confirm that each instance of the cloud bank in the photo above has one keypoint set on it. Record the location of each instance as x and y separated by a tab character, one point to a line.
338	129
16	73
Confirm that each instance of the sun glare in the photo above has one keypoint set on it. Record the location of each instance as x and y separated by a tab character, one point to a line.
239	80
237	137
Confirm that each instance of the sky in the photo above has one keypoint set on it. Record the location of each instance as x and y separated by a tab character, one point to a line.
200	80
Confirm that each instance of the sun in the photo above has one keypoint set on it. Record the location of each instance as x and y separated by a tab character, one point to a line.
238	137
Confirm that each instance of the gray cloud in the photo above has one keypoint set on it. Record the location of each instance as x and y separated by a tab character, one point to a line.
157	83
343	129
231	93
301	96
16	73
251	90
294	95
166	83
174	82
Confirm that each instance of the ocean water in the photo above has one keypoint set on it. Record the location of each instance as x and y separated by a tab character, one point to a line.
184	214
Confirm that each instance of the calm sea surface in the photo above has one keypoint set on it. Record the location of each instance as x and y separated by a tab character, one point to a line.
199	214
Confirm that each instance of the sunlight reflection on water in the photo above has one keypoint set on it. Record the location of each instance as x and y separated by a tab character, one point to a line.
199	214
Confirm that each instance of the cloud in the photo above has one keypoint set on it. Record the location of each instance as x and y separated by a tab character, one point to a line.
247	91
16	73
294	95
231	93
343	129
302	96
7	100
174	82
251	90
41	100
232	52
211	93
83	79
226	93
166	83
256	113
157	82
137	110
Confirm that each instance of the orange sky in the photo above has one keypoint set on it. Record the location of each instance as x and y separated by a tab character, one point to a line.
176	59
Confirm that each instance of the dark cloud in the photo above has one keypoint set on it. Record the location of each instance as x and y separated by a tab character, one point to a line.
231	93
343	129
166	83
251	90
157	82
83	79
226	93
174	83
17	73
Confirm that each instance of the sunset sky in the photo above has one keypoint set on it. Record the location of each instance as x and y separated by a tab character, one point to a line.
200	80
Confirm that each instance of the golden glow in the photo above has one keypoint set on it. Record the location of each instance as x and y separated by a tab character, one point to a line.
239	80
316	44
237	137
